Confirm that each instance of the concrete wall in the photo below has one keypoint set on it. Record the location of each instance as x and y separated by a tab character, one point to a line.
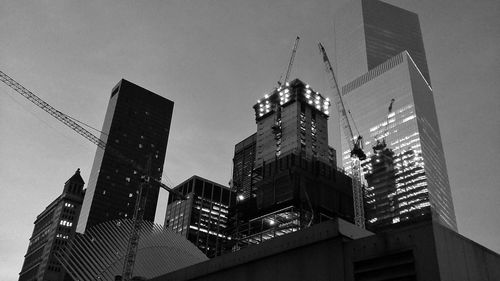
325	251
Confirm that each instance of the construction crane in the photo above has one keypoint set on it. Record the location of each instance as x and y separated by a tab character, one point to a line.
355	144
380	142
276	128
130	255
290	63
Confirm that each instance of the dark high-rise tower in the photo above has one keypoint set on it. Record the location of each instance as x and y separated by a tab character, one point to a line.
137	124
243	164
380	58
54	229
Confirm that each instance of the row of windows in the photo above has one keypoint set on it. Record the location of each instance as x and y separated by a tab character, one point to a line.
65	223
69	205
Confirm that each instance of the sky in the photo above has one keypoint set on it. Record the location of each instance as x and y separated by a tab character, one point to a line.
214	59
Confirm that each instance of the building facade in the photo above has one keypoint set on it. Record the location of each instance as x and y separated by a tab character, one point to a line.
203	216
381	60
411	132
292	119
54	229
243	165
137	126
339	251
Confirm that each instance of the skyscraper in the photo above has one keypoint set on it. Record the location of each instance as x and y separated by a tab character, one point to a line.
369	32
294	182
137	125
54	229
366	34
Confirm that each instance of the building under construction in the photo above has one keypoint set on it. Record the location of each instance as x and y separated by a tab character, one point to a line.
294	180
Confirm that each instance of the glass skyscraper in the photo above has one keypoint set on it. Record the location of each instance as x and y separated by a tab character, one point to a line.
369	32
380	57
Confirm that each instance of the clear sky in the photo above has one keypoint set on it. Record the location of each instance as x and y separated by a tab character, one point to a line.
214	59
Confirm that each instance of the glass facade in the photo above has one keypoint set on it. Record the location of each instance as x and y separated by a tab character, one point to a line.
369	32
390	30
137	125
411	131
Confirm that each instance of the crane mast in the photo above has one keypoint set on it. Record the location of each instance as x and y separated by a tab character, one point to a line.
129	257
355	145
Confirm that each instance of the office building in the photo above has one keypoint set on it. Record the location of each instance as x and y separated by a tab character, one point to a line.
411	132
136	125
366	34
339	251
54	229
203	216
294	182
369	32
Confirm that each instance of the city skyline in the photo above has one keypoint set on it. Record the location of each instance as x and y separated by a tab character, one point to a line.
215	61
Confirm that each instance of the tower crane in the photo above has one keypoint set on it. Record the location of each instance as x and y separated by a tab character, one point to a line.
381	144
277	121
355	144
290	63
134	236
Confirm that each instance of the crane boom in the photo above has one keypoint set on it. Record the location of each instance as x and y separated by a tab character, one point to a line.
143	189
355	145
344	121
292	58
51	110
